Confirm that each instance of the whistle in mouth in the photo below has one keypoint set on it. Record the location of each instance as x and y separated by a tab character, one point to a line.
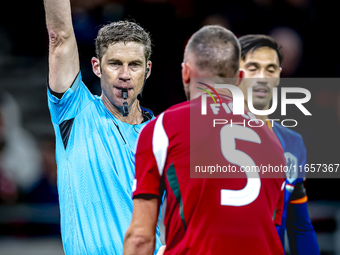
124	93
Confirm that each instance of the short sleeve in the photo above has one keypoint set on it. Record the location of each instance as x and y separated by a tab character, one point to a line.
71	103
147	177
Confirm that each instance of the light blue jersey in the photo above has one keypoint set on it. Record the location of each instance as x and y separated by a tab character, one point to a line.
95	156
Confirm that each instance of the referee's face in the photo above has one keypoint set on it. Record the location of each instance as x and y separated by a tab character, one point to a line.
123	67
262	73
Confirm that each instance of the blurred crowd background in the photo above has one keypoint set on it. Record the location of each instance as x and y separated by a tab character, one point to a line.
306	30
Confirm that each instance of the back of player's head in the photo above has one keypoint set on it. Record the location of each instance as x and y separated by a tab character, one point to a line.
250	43
122	31
214	49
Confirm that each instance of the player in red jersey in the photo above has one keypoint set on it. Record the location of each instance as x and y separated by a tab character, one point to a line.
207	215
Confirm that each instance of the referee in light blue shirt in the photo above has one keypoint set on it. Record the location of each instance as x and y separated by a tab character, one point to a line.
96	136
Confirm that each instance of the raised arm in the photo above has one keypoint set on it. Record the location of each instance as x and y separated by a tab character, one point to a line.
63	51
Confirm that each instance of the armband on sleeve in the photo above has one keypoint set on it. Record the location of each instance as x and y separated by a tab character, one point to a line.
299	194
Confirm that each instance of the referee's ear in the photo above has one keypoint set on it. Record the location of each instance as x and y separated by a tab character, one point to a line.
148	69
96	66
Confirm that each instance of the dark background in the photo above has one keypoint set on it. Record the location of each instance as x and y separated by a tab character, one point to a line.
306	29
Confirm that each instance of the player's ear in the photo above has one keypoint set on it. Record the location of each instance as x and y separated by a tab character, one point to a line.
186	80
240	76
96	66
185	73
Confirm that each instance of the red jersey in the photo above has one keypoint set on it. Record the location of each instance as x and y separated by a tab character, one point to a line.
214	215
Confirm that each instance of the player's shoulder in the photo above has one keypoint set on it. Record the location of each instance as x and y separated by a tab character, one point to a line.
177	112
173	113
286	133
292	144
179	107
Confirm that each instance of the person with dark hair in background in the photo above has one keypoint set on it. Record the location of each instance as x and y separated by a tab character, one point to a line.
96	136
206	215
261	60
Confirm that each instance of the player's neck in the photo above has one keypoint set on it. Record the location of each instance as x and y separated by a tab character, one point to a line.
261	117
224	92
134	117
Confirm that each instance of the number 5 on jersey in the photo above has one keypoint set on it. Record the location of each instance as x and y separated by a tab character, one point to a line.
250	192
